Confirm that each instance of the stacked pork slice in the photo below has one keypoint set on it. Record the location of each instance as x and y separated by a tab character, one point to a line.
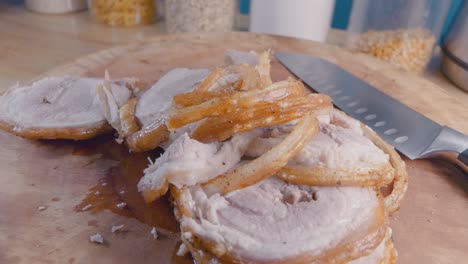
59	107
258	176
258	171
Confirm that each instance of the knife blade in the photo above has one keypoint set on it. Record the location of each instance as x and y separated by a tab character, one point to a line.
410	132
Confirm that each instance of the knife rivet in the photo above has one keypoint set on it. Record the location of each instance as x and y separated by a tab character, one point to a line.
361	110
352	104
370	117
344	98
328	87
380	123
320	83
390	131
337	92
401	139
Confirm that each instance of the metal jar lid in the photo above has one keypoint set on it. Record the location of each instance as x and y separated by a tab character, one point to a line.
455	49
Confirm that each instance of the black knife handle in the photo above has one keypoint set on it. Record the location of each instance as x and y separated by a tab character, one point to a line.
463	157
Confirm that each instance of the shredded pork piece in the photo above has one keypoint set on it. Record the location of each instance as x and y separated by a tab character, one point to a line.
154	233
117	228
96	238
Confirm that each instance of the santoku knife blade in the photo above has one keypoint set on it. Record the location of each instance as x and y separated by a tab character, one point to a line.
411	133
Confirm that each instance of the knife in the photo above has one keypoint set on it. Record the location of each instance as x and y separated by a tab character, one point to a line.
411	133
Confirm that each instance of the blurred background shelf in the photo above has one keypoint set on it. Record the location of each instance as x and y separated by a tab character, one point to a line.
32	43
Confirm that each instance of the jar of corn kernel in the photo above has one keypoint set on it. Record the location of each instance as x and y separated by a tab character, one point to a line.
124	13
200	15
400	32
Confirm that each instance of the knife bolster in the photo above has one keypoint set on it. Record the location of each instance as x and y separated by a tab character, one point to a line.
449	140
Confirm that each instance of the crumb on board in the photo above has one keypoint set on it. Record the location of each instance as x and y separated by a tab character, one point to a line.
96	238
117	228
86	207
154	233
121	205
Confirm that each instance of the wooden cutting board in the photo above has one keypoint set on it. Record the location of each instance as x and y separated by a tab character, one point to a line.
64	176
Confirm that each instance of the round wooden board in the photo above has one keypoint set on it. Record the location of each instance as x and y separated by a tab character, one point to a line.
430	227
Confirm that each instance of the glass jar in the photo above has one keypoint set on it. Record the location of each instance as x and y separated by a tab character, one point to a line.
200	15
123	12
307	19
55	6
401	32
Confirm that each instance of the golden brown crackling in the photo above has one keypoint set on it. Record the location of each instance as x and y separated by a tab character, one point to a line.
264	67
249	80
400	175
148	138
400	183
201	93
128	121
203	256
390	255
73	133
321	176
176	199
233	102
271	161
343	253
222	127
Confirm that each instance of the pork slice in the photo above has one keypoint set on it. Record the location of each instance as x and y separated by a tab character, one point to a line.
383	254
154	103
340	144
57	103
187	162
276	221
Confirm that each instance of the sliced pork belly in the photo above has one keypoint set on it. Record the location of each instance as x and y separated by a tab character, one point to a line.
156	101
385	253
339	144
274	221
58	107
187	162
153	104
340	147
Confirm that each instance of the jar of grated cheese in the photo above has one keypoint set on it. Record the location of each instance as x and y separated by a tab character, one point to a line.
123	12
400	32
200	15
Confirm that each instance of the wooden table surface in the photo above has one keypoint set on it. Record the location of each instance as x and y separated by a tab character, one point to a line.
32	43
430	226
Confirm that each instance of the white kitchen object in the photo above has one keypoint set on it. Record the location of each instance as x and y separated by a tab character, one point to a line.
455	50
55	6
307	19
